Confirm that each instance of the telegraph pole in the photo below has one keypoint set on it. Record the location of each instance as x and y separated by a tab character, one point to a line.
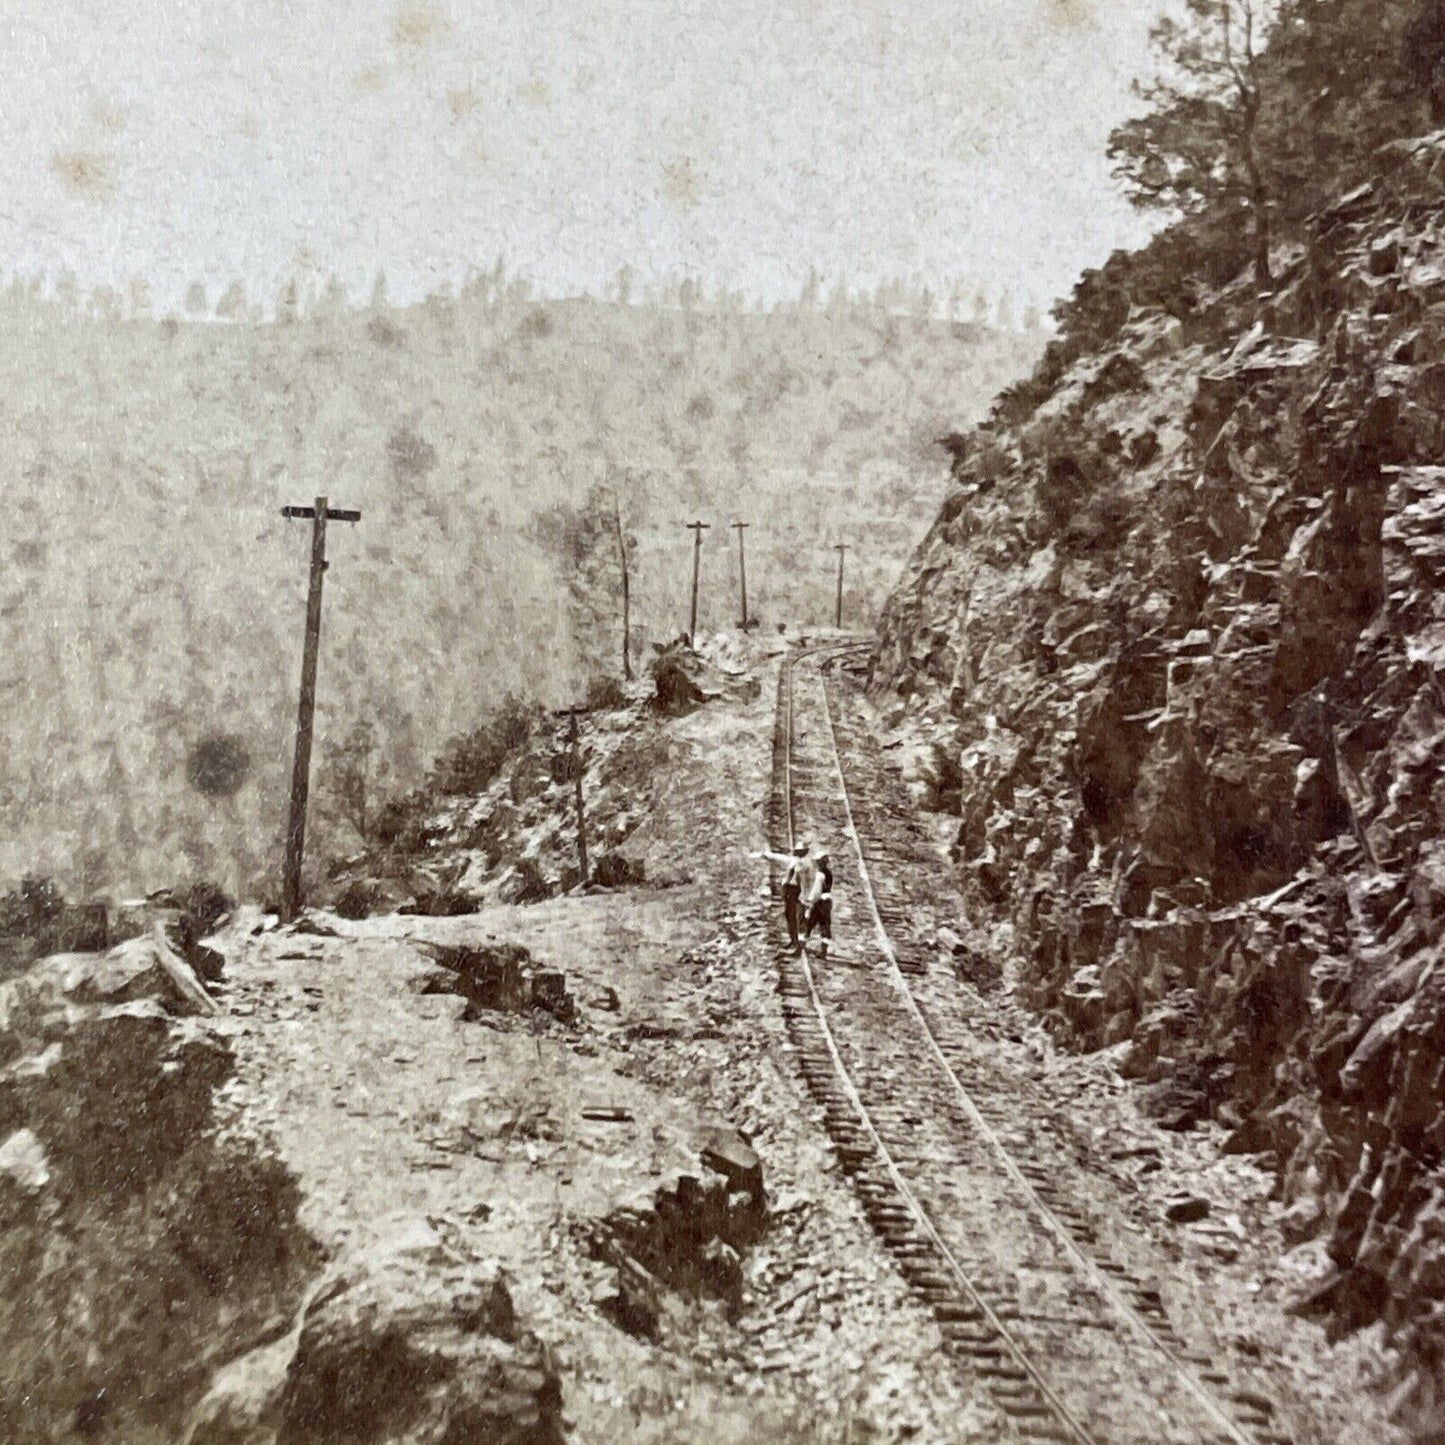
697	529
320	514
840	548
626	590
574	736
743	570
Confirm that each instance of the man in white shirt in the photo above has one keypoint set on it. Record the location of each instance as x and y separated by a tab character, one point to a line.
798	871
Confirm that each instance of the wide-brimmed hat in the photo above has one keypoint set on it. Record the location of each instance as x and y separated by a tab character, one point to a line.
800	849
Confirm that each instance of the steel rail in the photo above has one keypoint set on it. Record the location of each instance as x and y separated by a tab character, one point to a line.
1016	1350
1097	1277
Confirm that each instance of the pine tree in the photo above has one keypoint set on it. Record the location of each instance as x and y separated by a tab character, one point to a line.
333	298
104	304
1199	146
593	546
288	301
67	291
139	295
1347	76
232	305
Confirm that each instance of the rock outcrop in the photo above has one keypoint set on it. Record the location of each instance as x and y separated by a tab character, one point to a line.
141	1246
1179	625
410	1339
498	978
158	1285
689	1236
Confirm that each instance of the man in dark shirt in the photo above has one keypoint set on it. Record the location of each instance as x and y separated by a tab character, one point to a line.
820	903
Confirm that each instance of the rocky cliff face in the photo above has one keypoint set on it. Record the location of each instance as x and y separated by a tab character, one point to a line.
1179	636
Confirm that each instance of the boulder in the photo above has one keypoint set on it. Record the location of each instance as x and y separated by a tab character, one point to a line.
1256	1135
727	1152
141	968
497	978
1084	1005
441	902
1188	1210
23	1162
691	1235
409	1344
1365	1076
683	682
1175	1104
432	979
615	870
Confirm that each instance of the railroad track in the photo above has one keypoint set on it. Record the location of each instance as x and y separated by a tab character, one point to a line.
1071	1344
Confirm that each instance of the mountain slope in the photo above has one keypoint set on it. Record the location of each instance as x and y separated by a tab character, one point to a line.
153	596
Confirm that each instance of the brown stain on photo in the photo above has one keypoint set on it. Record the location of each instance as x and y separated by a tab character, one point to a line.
463	102
369	80
87	175
1070	14
418	24
680	182
107	115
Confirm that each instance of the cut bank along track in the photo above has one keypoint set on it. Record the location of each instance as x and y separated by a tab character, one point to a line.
980	1229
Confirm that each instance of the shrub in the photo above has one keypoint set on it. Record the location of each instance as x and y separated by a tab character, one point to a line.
399	824
410	455
40	902
204	904
358	899
605	694
445	901
468	763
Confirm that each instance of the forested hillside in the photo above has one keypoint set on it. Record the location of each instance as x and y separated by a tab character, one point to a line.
153	595
1176	636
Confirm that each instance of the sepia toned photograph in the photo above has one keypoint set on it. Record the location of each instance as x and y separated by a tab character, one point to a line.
722	725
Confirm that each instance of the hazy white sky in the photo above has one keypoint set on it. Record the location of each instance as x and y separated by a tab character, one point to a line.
740	143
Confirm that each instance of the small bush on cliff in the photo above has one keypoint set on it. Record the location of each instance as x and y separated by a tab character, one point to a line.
400	824
1100	524
605	694
204	904
35	905
470	762
354	775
